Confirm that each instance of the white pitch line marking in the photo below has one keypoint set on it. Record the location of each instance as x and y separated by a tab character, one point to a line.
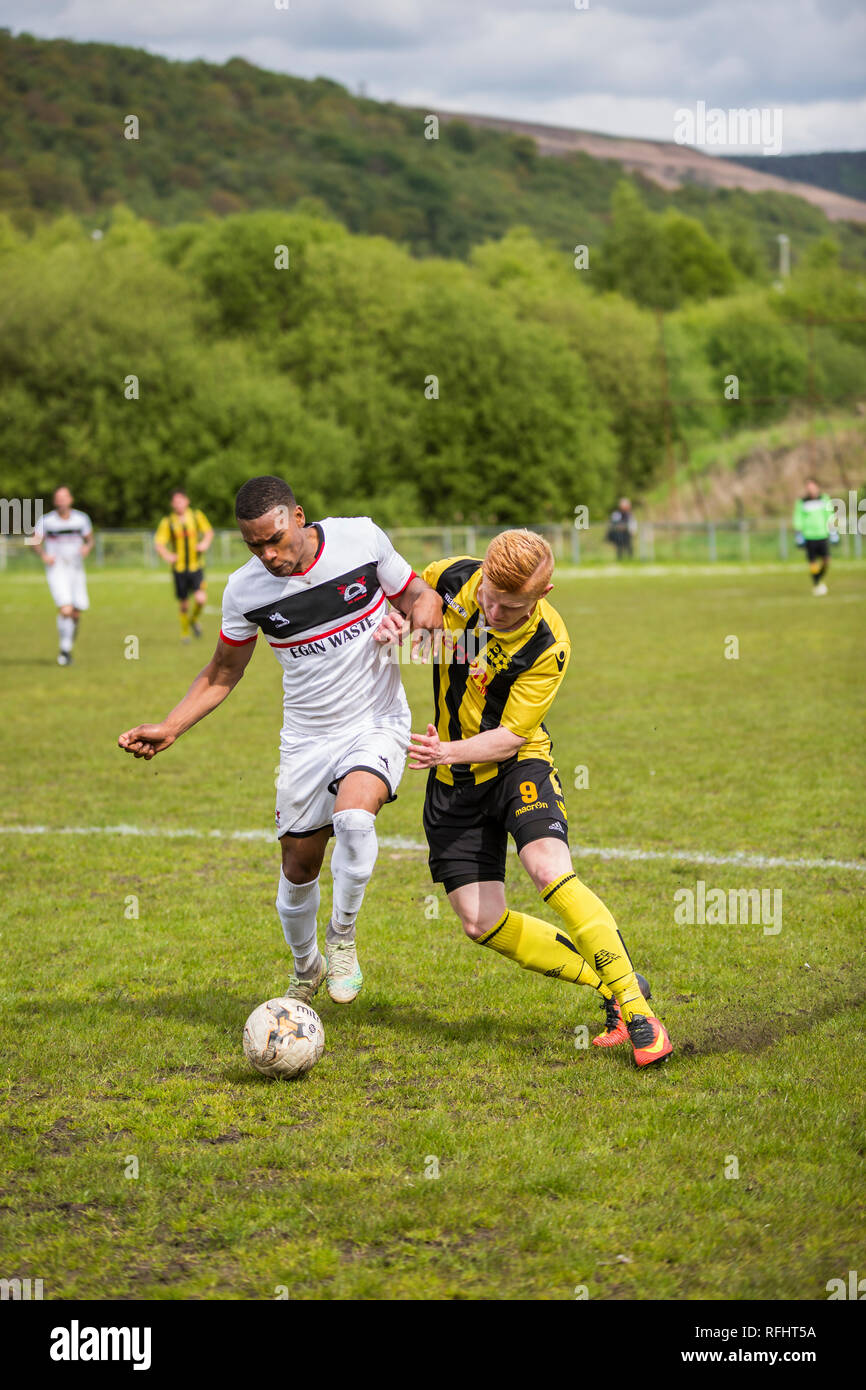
739	858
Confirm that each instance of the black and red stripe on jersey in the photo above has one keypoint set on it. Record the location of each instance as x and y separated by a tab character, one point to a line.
338	600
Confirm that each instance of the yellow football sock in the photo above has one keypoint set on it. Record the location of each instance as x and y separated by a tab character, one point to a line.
196	609
536	945
184	623
597	937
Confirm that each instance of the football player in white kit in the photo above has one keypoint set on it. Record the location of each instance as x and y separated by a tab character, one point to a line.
317	593
62	539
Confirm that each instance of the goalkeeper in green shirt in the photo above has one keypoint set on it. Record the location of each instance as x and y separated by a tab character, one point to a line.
815	527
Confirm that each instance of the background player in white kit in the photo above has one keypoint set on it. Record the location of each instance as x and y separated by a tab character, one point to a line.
317	592
63	538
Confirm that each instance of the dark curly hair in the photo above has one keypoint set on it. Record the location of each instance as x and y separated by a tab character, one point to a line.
259	495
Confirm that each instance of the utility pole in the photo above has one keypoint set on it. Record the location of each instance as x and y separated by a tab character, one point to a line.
784	261
810	341
670	454
784	255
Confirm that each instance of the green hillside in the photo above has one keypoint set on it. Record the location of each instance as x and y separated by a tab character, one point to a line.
214	140
842	171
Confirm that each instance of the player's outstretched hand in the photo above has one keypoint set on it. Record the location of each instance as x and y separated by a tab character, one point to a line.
392	628
146	740
426	750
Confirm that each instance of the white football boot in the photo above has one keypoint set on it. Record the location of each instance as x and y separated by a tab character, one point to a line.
304	988
344	973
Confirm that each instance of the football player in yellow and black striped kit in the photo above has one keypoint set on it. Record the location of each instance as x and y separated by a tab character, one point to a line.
492	774
182	539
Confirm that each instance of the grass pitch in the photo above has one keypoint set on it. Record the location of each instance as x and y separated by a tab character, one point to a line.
456	1140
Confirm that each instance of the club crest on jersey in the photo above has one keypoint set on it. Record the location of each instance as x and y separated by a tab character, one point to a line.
497	657
356	589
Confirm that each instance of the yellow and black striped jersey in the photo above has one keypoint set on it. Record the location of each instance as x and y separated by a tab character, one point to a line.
182	535
511	679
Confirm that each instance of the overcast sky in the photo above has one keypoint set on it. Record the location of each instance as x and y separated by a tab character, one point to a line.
619	66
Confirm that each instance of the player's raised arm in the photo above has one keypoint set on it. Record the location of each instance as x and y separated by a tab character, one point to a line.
404	589
209	689
420	604
421	607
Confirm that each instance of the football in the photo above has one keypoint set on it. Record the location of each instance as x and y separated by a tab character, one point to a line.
283	1037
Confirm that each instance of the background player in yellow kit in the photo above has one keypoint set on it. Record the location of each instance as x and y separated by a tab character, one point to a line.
182	539
492	774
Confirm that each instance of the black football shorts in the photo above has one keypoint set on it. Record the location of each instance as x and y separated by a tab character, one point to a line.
467	826
817	550
186	582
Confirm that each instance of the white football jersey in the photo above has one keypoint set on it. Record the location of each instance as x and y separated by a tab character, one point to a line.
320	625
63	537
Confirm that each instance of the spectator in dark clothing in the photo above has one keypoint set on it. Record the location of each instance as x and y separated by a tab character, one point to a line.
621	528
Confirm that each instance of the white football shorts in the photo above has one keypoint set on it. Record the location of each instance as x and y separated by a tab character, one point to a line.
68	585
309	773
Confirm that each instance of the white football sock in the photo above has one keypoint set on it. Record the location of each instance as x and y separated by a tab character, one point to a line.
352	865
66	631
297	905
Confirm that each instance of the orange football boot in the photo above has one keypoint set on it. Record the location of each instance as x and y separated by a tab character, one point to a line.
615	1031
649	1039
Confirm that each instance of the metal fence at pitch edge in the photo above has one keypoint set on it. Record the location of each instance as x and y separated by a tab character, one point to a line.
655	542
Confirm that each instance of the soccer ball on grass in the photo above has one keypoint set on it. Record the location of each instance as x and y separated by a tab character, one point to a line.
283	1037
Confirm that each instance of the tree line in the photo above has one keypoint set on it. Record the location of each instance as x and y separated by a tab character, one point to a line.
486	390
